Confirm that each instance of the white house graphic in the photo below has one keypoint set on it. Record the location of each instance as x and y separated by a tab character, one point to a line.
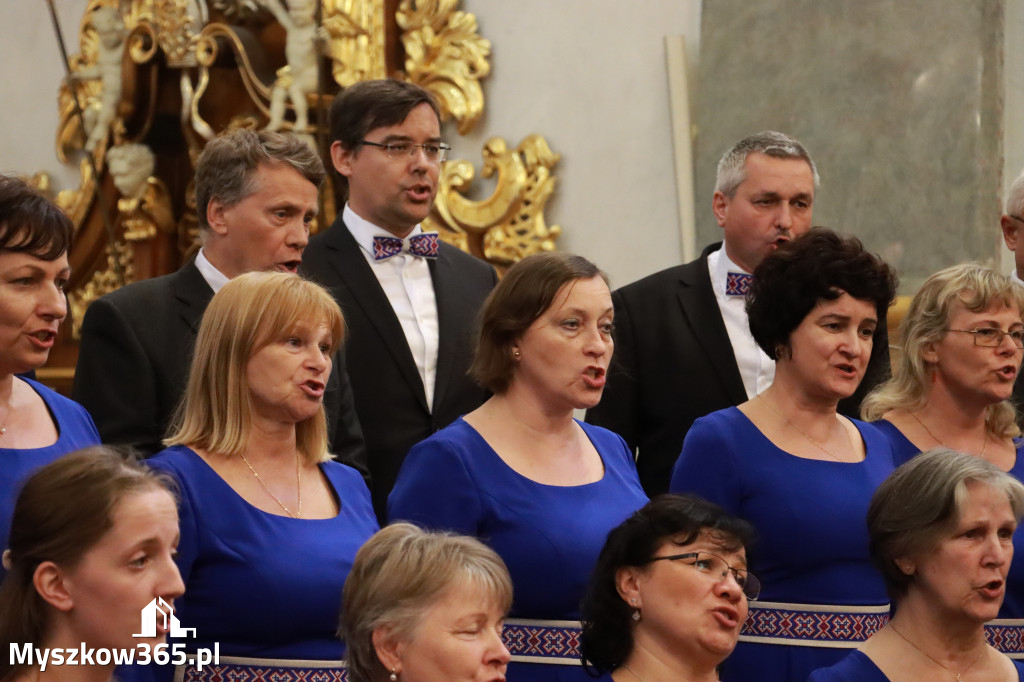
159	608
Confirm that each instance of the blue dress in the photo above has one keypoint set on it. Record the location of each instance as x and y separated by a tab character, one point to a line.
75	430
1013	603
549	536
812	545
857	667
259	584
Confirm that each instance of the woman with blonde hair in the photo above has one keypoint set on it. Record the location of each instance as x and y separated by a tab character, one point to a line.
961	353
425	607
269	524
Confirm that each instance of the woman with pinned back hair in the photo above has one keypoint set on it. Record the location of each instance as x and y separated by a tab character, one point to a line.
669	593
788	463
960	355
539	487
422	607
269	523
940	532
37	425
92	544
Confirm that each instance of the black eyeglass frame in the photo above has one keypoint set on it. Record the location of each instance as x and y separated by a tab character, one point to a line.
744	584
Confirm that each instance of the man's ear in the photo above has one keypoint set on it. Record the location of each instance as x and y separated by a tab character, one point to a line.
1011	234
720	206
342	158
52	585
215	216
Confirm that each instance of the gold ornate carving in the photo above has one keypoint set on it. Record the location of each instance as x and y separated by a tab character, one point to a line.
510	221
445	55
119	271
355	29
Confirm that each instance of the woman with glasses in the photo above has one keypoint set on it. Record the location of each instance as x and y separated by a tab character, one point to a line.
951	386
542	489
800	472
668	594
940	530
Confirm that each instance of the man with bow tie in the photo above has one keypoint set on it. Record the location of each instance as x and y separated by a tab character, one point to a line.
410	301
682	346
256	194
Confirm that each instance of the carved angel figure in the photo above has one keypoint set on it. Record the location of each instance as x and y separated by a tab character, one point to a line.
98	115
299	78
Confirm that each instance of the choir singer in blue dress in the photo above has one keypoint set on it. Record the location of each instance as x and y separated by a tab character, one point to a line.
541	488
797	470
270	524
941	530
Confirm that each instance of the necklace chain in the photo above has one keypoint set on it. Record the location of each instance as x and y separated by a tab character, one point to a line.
812	441
298	487
984	444
928	656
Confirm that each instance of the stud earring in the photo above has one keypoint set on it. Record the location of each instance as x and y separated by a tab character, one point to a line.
516	354
394	676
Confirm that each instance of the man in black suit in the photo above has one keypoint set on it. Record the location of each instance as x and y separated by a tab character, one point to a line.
256	194
410	301
682	347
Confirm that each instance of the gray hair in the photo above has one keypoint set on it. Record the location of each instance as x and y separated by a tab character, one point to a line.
1015	198
732	167
398	575
921	501
227	167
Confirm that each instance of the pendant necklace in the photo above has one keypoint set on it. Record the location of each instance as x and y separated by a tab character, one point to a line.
298	486
926	655
813	442
984	445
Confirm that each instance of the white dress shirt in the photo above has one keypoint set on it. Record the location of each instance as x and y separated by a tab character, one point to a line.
756	368
1016	278
406	282
214	277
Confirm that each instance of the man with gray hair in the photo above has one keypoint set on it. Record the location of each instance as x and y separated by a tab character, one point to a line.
256	195
682	346
1012	223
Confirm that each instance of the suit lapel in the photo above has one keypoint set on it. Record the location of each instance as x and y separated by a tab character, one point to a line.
701	312
193	295
445	294
365	291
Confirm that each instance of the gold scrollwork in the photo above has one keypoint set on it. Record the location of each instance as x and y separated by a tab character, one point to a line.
511	220
356	39
119	271
445	55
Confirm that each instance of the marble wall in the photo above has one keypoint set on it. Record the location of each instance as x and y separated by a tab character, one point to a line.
898	101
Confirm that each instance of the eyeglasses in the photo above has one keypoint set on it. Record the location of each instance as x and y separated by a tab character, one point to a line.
715	567
436	152
990	337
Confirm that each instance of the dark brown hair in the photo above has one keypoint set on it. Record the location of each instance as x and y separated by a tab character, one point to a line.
31	223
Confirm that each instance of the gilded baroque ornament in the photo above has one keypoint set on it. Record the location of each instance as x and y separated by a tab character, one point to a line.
445	55
117	273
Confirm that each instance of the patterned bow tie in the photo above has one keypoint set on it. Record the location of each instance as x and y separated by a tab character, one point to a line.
422	245
738	283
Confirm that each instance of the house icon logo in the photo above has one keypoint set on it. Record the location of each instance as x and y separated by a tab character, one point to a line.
158	608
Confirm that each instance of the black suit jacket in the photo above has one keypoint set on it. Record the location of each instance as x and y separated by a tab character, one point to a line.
135	356
389	394
674	363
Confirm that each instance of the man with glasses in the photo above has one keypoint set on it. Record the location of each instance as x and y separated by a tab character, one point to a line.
682	346
410	300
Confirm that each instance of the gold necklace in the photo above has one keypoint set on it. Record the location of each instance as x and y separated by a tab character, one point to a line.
813	442
984	445
633	673
925	653
298	486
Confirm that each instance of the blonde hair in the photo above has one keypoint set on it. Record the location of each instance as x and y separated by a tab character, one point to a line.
400	573
247	314
977	288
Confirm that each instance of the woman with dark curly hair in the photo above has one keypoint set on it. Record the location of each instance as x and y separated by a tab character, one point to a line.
668	594
799	471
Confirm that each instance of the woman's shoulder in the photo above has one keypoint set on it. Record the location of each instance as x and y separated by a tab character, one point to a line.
856	667
1019	665
68	413
176	459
